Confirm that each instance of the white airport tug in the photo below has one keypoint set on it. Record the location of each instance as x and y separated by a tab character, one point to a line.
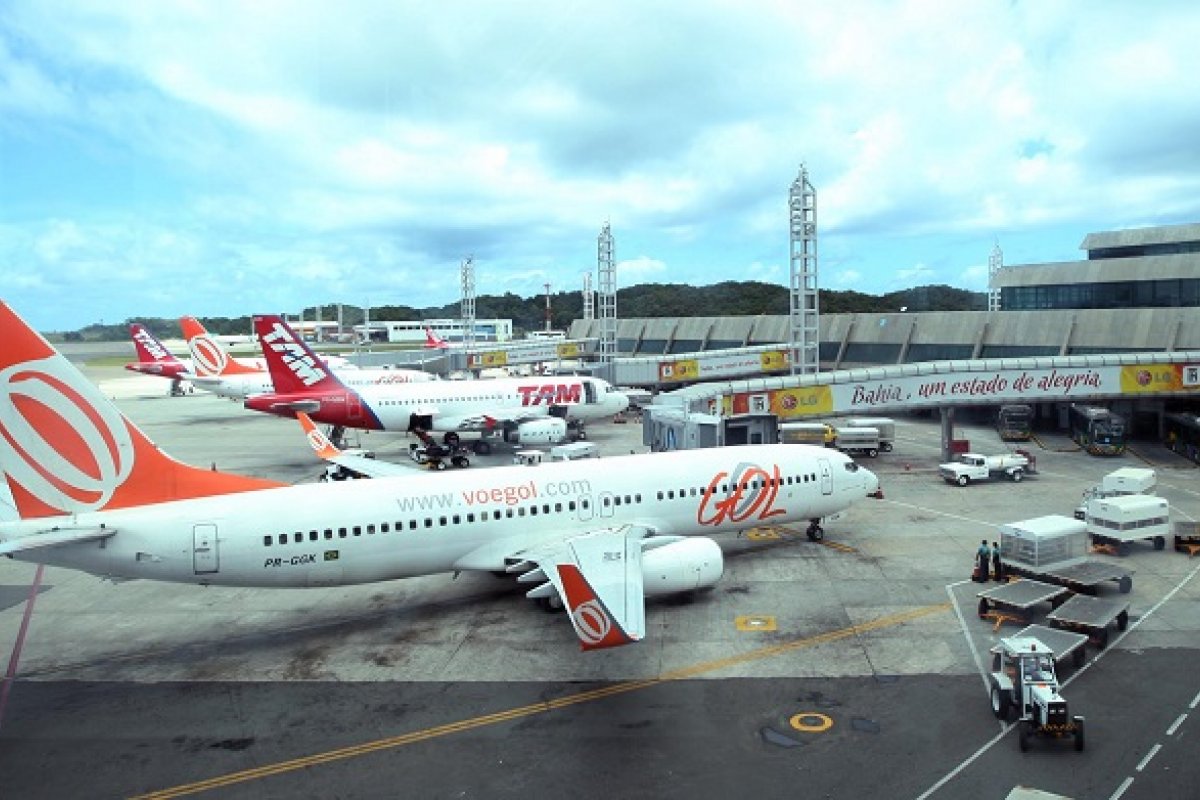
1024	682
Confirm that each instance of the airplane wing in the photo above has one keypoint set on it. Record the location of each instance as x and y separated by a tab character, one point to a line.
598	575
54	538
363	465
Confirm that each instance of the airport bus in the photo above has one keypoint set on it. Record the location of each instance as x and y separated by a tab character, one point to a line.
1098	430
1015	423
1182	432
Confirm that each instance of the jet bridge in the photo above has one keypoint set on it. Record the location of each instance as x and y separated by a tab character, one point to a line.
747	409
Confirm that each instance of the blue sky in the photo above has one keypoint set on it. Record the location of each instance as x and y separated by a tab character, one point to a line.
227	158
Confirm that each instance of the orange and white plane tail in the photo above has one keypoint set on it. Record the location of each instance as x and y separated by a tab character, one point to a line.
433	341
66	449
209	357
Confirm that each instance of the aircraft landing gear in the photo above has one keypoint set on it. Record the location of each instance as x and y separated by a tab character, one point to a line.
482	447
337	435
815	532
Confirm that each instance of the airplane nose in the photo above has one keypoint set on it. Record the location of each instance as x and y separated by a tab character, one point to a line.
871	483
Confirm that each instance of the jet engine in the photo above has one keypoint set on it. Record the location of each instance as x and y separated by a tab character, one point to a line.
682	566
540	431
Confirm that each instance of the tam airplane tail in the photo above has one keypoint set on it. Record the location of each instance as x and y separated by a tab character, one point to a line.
294	367
209	357
150	351
66	449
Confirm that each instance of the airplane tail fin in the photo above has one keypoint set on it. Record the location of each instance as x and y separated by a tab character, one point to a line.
433	341
294	367
209	357
149	349
66	449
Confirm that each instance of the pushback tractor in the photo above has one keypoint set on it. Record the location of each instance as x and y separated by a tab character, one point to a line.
1024	684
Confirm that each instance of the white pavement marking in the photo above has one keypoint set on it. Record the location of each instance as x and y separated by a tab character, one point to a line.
1175	725
1121	789
1153	752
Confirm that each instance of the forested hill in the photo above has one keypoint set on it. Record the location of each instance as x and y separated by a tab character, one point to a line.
728	299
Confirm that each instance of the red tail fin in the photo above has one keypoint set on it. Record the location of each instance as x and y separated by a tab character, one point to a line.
294	367
66	449
209	357
149	349
433	341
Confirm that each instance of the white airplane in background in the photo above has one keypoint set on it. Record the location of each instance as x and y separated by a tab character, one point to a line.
522	410
238	378
94	494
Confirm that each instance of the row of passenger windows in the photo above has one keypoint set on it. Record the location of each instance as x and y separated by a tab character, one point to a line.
724	488
328	534
371	529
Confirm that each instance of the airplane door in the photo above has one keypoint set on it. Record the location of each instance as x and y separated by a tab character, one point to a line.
606	504
205	557
585	509
826	476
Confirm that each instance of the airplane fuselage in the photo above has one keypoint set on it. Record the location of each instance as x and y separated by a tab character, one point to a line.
388	528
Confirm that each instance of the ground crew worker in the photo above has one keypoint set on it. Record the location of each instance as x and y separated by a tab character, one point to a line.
997	564
983	556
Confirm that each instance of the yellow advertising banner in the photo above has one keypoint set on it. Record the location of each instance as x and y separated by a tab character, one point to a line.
686	370
774	360
1150	378
569	350
495	358
783	403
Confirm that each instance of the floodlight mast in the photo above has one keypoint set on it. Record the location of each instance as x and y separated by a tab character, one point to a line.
805	314
467	305
607	295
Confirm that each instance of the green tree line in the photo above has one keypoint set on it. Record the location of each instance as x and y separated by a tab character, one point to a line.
727	299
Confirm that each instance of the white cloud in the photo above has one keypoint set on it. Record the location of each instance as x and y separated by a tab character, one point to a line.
343	146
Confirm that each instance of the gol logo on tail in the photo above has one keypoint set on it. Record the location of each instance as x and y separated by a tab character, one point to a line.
751	495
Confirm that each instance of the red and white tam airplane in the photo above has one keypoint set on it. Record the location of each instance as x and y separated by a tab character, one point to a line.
522	410
595	537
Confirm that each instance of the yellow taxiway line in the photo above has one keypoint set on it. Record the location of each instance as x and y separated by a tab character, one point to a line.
392	742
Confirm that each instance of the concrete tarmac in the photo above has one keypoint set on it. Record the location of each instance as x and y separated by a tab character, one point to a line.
850	668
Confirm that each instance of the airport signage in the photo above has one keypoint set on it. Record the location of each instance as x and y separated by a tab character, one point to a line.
704	368
965	388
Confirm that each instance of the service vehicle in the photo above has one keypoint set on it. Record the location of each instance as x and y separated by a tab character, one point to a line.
884	425
570	452
1128	518
1024	682
976	467
860	441
816	433
1123	481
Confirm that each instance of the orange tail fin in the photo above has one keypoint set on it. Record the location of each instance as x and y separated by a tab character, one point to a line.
66	449
209	357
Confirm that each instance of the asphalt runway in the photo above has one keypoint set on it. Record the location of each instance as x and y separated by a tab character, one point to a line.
847	669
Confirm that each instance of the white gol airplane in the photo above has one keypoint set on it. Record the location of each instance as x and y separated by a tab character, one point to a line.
94	494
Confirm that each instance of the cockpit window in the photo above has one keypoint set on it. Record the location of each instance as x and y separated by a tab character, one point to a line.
851	466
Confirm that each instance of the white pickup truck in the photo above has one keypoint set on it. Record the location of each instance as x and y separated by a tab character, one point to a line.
976	467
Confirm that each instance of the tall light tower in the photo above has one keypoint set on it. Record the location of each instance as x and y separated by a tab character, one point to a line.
548	325
589	300
467	305
995	264
606	267
805	303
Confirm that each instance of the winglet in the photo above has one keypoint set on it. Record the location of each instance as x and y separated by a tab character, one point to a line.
294	367
209	357
319	442
595	625
66	449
